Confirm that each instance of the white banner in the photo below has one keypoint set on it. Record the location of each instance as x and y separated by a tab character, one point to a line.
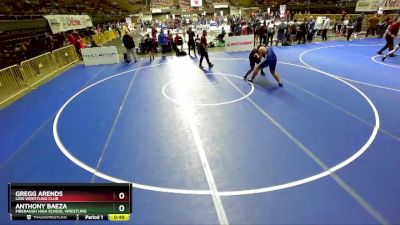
282	9
60	23
239	43
390	4
156	10
100	55
196	3
367	5
375	5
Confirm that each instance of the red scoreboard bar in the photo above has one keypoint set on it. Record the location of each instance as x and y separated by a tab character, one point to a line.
45	201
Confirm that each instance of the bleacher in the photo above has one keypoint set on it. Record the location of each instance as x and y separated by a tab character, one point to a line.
185	5
160	4
9	9
131	6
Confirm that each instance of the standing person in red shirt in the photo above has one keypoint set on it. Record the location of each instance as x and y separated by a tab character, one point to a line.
71	39
153	33
79	44
203	50
390	34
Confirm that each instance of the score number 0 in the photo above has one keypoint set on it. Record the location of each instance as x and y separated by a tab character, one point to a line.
121	196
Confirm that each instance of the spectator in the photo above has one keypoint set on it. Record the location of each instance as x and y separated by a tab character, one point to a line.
324	27
244	29
191	42
281	33
129	45
170	38
163	41
270	32
80	43
293	31
153	32
48	42
233	27
149	45
142	44
339	26
71	39
249	29
311	30
222	34
372	25
350	28
238	29
263	34
93	44
302	32
34	46
197	40
256	32
203	50
178	41
358	24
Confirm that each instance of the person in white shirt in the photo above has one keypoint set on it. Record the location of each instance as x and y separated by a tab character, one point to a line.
325	27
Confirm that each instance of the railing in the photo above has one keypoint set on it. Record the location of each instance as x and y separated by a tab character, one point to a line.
38	67
105	37
16	79
65	56
11	81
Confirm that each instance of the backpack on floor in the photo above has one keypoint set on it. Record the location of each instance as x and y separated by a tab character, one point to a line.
181	53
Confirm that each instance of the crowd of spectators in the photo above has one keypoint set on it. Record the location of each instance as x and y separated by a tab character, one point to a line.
26	7
273	26
47	42
276	29
268	29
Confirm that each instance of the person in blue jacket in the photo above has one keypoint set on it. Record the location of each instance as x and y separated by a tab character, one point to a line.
163	41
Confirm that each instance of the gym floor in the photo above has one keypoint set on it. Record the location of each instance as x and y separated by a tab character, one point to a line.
206	147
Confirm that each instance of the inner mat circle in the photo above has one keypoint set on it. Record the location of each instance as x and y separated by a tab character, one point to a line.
201	87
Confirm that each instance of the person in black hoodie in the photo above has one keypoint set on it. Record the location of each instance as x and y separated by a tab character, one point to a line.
302	32
191	42
149	44
263	34
350	28
129	44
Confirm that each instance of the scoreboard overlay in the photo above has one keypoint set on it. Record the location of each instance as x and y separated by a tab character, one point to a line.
66	201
